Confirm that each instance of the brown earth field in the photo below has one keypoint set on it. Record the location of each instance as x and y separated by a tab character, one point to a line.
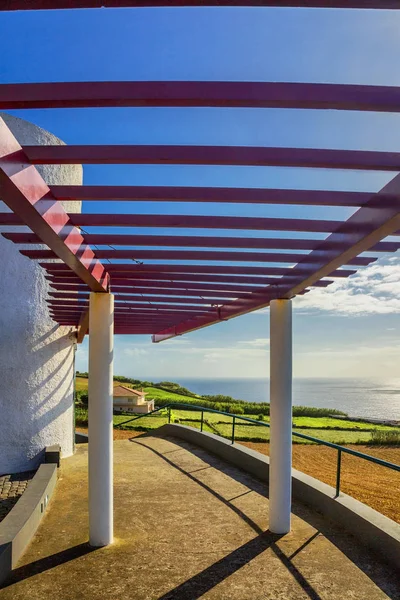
374	485
119	434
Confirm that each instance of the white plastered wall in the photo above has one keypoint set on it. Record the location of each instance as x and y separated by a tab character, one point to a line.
36	356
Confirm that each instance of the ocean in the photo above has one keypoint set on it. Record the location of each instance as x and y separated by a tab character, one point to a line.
379	399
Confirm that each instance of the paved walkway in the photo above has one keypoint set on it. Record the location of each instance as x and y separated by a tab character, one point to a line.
188	526
11	489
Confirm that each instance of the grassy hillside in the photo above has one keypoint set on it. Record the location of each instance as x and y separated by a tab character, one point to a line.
81	385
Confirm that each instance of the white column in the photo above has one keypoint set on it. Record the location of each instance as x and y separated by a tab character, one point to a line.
280	469
101	333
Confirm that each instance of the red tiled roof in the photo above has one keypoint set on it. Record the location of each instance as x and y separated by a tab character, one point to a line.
122	390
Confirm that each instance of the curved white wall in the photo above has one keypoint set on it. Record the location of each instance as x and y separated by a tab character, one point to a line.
36	356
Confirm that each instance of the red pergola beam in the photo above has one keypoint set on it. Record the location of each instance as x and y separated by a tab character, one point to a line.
151	309
129	279
139	320
132	319
362	230
60	4
127	305
83	327
204	222
126	330
218	194
165	287
131	302
194	222
216	155
79	94
190	222
124	316
119	269
139	294
25	192
186	241
183	299
73	314
206	256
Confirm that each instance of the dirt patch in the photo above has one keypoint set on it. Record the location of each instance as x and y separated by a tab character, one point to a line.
119	434
372	484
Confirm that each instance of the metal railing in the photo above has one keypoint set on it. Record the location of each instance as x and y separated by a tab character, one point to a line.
234	417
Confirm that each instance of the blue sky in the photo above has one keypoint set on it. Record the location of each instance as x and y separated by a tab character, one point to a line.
351	329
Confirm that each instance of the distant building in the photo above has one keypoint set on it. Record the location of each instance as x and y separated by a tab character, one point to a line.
126	399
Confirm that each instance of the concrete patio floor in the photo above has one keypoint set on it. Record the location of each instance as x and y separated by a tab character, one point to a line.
188	526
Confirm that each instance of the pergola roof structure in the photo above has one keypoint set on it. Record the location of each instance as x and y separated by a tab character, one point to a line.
178	295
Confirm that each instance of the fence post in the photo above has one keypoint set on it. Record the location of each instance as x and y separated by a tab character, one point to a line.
233	429
338	470
169	414
201	422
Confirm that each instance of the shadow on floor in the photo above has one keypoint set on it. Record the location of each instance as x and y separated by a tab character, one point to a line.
202	582
47	563
375	570
196	586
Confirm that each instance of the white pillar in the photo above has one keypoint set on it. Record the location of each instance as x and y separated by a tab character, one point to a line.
280	469
101	333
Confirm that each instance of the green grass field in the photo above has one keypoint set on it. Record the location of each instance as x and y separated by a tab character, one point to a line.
251	433
329	429
156	394
298	422
81	384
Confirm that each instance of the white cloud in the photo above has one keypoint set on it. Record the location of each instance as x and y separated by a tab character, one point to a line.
176	341
349	360
135	352
373	290
256	343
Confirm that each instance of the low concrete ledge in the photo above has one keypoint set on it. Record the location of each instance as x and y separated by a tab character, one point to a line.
372	528
81	438
19	526
52	454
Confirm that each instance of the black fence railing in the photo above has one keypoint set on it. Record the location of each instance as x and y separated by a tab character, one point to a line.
340	449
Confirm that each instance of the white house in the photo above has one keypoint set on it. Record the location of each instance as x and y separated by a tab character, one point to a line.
126	399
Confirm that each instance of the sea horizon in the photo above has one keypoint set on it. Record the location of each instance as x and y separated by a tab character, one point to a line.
377	398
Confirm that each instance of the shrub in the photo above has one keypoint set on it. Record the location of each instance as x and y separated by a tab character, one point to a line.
235	409
261	417
85	375
219	398
81	397
381	437
81	417
312	411
169	386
